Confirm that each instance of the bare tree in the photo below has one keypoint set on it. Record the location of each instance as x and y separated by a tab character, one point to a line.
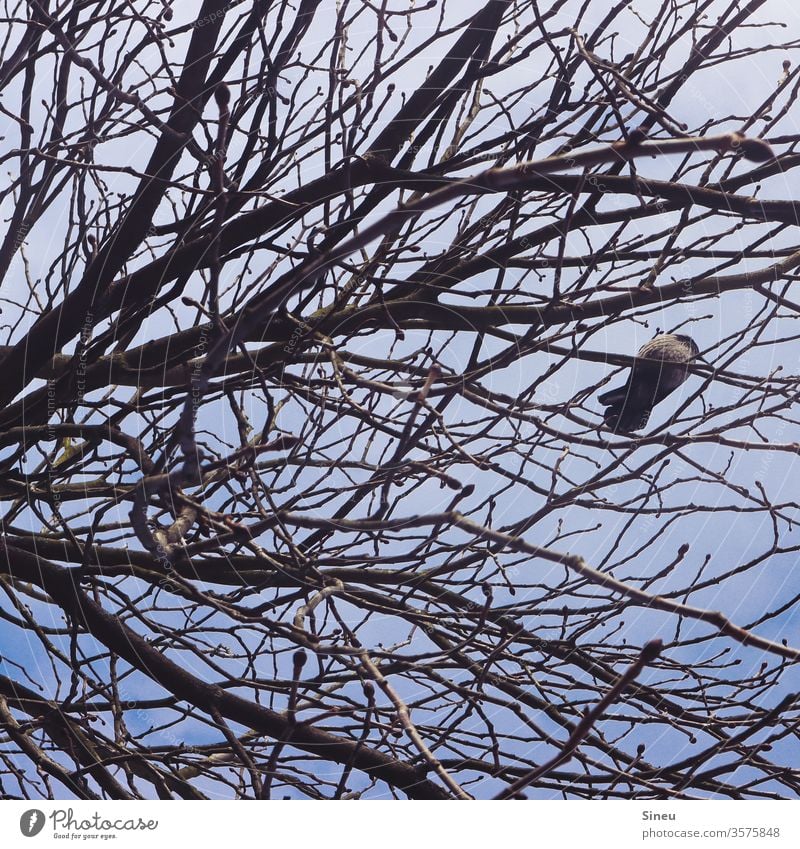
307	489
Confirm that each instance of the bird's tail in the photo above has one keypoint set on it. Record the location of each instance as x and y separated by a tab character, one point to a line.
615	396
623	412
624	418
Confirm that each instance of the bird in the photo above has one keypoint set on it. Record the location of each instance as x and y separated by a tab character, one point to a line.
660	367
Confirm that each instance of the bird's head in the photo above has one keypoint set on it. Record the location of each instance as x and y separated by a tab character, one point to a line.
689	342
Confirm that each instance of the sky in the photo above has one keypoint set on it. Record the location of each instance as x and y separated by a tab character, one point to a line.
720	541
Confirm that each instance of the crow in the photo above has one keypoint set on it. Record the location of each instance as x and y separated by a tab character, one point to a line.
660	367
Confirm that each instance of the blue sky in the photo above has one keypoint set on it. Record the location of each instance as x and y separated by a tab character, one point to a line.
721	541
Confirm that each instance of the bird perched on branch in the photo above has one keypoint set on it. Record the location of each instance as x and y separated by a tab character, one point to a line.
660	367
